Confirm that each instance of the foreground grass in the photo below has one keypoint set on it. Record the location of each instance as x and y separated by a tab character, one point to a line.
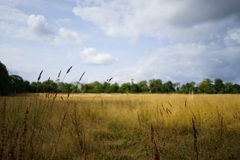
119	126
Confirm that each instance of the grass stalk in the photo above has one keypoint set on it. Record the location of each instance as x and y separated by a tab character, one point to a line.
156	154
195	136
23	138
59	134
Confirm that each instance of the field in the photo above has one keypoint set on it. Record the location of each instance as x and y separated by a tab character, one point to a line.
120	126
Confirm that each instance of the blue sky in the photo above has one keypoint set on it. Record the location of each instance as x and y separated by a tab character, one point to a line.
181	41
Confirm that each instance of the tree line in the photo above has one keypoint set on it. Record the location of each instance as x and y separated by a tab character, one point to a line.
14	84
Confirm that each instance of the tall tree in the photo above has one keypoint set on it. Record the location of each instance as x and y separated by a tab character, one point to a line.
4	80
134	88
124	88
218	86
236	88
206	86
49	86
167	87
228	87
143	87
111	88
176	86
188	88
155	85
106	87
17	84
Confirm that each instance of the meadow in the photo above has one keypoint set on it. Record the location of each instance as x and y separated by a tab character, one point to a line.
120	126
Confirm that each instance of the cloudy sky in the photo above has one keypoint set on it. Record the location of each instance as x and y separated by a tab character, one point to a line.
177	40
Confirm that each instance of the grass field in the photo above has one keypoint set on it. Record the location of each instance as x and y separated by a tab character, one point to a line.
120	126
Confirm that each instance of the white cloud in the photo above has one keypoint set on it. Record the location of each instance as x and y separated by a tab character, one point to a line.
39	26
185	63
63	21
180	40
68	36
16	24
12	22
161	19
233	37
92	57
9	14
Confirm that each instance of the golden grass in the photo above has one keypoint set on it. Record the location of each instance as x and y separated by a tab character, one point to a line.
120	126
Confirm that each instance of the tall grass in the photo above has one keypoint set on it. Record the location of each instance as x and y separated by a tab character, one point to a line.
120	126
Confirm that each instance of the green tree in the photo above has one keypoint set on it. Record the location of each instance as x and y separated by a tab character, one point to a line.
143	87
155	85
49	86
106	87
236	88
206	86
188	88
97	87
64	87
183	89
27	86
134	88
218	86
4	80
167	87
75	87
124	88
176	86
84	88
114	88
17	84
111	88
34	87
228	87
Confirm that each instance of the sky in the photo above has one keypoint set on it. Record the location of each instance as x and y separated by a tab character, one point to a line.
172	40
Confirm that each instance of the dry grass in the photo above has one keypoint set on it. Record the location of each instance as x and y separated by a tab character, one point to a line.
120	126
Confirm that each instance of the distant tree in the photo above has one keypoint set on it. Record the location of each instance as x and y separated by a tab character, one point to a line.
188	88
124	88
4	80
143	87
155	85
27	86
84	88
228	87
33	87
167	87
236	88
134	88
218	86
114	88
106	87
75	87
64	87
176	86
17	84
97	87
183	89
49	86
206	86
111	88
